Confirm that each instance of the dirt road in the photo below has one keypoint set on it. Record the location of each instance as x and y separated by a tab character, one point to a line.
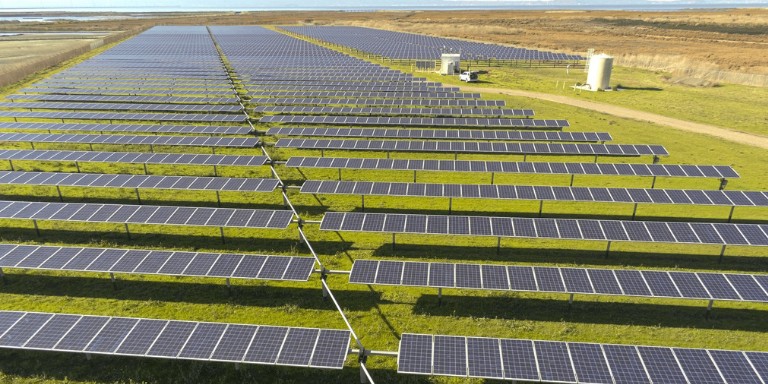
723	133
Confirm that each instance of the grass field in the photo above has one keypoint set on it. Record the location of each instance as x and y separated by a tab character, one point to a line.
380	314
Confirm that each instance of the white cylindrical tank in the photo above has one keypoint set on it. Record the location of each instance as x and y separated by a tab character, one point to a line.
599	76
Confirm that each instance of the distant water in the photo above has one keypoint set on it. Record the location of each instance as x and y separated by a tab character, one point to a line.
138	11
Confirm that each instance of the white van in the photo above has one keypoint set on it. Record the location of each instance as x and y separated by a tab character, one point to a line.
468	76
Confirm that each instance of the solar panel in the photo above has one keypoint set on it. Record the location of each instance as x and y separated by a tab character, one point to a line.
144	128
555	279
131	157
166	339
412	121
62	179
160	215
442	134
388	111
124	106
376	102
546	228
510	167
238	142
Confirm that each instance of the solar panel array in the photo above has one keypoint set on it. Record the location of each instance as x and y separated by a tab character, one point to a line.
383	102
145	214
399	45
572	363
139	128
371	94
146	262
91	180
394	111
181	117
131	157
174	339
476	147
126	107
619	282
540	192
200	141
564	229
441	134
416	121
605	169
126	99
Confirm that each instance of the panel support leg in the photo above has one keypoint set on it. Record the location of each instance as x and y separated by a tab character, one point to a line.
722	252
450	205
237	366
37	230
325	292
61	198
88	356
114	282
146	172
77	165
709	308
11	163
595	158
607	249
498	246
221	230
2	276
572	179
339	174
322	153
215	171
541	207
229	287
393	241
653	184
90	145
730	215
138	197
570	301
362	201
414	175
492	173
218	199
127	232
439	297
525	158
151	149
634	212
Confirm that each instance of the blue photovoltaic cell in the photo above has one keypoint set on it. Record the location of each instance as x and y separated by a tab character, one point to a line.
450	356
234	343
266	345
53	330
698	367
110	337
415	354
298	346
734	367
172	339
554	362
519	360
625	363
661	365
484	358
522	278
589	363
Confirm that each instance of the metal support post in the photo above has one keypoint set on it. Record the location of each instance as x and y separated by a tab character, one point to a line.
325	291
414	175
709	308
11	163
525	158
229	286
730	215
439	297
498	246
78	166
62	197
572	179
723	184
237	366
339	174
653	183
2	275
215	171
322	153
634	212
32	144
114	282
88	356
607	249
492	173
393	241
595	158
90	145
151	148
221	229
570	300
127	232
362	200
656	159
450	205
541	207
146	172
138	197
722	252
218	199
37	230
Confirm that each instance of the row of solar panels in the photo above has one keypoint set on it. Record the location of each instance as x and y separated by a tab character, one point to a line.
576	363
333	83
618	282
131	157
144	128
168	263
388	102
174	339
351	88
124	116
128	81
188	183
393	111
348	94
117	85
145	214
571	229
406	79
442	134
127	99
536	192
416	121
238	142
80	91
126	106
476	147
605	169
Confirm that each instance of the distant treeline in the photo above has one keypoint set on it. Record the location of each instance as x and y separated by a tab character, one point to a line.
14	73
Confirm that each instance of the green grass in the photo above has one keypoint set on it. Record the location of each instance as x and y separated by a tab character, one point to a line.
380	314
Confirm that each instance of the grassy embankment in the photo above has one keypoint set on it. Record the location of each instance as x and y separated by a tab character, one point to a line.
381	314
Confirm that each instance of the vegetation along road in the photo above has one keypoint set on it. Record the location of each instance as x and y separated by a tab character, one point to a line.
723	133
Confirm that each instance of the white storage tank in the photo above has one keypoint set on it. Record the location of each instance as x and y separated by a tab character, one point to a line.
599	76
450	63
